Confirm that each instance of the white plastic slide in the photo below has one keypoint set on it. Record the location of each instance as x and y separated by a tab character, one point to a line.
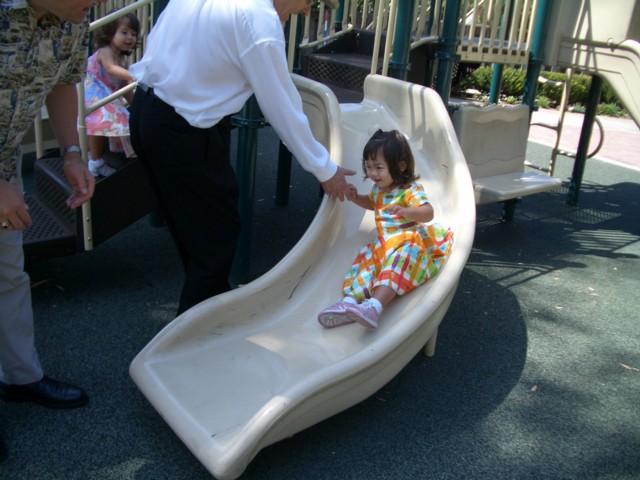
250	367
599	37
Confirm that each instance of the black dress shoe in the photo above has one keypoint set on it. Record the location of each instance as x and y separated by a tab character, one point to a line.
47	392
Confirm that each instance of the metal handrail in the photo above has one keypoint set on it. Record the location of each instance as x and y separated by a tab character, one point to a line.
144	17
564	102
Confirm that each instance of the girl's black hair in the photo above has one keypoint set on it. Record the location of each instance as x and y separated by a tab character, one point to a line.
395	149
103	35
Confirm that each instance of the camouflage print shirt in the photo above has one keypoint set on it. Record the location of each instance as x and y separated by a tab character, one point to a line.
35	56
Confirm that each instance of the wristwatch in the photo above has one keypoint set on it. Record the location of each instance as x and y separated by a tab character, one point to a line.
69	149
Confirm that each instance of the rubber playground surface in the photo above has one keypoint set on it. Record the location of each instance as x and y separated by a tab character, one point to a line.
536	372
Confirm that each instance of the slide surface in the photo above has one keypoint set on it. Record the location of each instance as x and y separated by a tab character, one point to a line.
251	367
599	37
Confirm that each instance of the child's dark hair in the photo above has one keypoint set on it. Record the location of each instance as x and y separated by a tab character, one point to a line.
103	35
395	149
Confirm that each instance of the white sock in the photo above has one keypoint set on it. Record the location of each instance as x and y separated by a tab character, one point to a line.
375	303
350	300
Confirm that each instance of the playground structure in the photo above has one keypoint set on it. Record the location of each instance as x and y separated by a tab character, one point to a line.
296	373
419	41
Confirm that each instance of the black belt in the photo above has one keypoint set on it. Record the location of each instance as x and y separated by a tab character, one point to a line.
145	88
225	122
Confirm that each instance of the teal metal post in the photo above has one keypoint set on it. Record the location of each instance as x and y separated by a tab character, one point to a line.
498	68
284	176
536	53
339	14
579	164
249	120
446	54
399	64
496	82
158	7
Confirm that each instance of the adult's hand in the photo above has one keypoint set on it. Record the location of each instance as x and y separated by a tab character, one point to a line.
80	179
337	185
14	212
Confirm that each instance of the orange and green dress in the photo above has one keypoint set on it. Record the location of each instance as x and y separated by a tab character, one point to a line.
405	253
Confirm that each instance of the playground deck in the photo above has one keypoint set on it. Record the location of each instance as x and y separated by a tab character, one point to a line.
536	372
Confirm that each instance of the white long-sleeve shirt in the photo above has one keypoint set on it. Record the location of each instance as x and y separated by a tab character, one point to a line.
206	57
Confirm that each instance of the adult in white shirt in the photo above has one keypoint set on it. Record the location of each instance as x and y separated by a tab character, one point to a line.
204	59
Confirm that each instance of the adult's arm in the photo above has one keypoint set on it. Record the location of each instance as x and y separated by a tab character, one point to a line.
267	71
62	106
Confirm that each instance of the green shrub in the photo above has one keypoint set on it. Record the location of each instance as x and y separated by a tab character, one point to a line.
609	109
514	79
543	102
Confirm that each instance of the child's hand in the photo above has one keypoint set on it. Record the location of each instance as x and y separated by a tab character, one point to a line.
352	193
422	214
394	209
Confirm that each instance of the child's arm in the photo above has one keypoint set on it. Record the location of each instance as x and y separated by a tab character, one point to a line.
423	213
107	59
363	201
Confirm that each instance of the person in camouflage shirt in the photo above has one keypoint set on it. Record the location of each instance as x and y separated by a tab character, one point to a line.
43	52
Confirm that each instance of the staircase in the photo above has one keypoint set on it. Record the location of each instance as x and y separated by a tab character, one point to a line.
118	201
345	62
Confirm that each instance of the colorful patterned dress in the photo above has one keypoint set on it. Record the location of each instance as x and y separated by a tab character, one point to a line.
111	120
405	254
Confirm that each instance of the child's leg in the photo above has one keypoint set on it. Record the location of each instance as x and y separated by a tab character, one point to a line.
96	164
96	147
126	146
368	312
384	295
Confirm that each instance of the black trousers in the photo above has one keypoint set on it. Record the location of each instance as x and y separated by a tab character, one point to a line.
197	190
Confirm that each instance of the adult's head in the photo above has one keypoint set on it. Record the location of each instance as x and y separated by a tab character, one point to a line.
300	7
74	11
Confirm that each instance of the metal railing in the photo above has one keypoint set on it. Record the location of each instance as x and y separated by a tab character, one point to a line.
496	31
490	31
143	9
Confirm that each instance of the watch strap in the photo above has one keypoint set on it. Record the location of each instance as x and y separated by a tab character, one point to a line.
69	149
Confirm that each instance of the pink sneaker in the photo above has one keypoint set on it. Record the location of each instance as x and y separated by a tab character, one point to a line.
364	313
335	315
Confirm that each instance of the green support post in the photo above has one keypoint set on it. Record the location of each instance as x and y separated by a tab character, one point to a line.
399	64
248	121
496	82
536	53
595	91
498	68
284	176
339	14
158	7
446	54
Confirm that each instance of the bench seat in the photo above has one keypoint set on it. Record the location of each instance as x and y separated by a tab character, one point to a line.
499	188
494	142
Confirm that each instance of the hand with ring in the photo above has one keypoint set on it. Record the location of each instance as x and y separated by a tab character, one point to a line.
14	212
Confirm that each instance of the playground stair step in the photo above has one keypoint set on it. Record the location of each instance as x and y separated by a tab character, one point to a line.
346	62
344	70
118	201
343	63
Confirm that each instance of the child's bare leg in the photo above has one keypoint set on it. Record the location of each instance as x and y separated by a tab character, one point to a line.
384	295
96	147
